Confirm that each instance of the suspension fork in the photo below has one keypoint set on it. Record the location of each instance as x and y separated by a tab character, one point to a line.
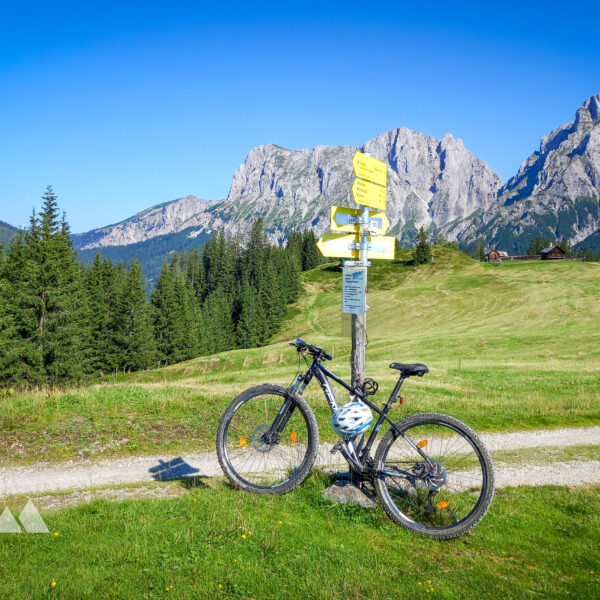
288	406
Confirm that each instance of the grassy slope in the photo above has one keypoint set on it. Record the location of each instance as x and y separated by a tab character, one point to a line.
539	543
509	347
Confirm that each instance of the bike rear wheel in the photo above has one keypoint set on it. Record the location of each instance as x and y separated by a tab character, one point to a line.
442	497
258	457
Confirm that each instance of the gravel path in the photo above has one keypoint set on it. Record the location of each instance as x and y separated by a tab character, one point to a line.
85	474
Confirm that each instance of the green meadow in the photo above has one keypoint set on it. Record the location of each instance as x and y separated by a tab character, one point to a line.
213	542
511	346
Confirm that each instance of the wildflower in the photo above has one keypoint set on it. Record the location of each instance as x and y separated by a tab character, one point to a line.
235	560
243	536
280	522
429	581
53	584
420	583
220	586
249	533
55	533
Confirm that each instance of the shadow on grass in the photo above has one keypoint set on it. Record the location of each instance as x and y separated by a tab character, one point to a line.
194	482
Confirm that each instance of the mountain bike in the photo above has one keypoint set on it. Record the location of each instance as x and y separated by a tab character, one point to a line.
431	472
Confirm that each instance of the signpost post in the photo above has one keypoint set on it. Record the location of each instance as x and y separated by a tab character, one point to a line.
361	242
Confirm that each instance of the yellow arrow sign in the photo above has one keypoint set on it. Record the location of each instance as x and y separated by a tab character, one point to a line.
348	219
339	245
369	194
370	169
383	247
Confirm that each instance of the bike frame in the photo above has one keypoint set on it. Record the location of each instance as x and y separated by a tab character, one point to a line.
356	456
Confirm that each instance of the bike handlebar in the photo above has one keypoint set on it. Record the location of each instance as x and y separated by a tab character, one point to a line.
312	350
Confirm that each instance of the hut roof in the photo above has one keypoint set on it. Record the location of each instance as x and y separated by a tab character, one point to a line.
546	250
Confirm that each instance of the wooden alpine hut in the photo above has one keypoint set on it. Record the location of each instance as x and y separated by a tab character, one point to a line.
553	253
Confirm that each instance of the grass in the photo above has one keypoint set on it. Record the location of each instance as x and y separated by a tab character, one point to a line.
214	542
511	346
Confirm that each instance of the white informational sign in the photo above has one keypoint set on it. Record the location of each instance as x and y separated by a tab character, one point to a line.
354	281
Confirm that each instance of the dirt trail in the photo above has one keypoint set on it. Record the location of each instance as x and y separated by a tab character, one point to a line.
85	474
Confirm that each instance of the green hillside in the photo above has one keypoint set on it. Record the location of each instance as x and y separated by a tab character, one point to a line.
151	253
7	232
509	346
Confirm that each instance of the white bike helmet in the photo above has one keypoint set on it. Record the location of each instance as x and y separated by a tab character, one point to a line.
351	419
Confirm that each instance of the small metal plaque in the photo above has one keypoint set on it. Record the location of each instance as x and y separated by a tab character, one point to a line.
354	280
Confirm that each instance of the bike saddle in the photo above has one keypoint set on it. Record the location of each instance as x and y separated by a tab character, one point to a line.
409	370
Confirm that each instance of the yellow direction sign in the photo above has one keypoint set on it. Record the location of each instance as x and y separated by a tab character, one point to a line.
339	245
369	194
370	169
348	219
382	247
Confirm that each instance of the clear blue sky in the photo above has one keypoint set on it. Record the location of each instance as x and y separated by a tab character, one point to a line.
121	106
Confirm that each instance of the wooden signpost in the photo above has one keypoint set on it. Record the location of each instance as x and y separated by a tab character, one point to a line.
360	241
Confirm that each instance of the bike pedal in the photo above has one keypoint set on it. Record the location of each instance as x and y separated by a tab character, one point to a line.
337	446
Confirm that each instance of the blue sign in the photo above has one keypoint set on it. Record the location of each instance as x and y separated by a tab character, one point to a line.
354	281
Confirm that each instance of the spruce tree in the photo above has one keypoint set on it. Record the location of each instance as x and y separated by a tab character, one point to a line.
102	282
256	250
479	252
422	251
271	301
48	307
20	352
175	314
294	247
249	327
311	257
218	325
135	334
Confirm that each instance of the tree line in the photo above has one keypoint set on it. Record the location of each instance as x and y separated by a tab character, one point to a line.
61	321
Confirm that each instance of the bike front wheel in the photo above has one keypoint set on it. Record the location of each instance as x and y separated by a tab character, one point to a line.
435	476
267	440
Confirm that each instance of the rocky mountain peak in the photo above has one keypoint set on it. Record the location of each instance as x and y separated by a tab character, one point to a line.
555	192
589	113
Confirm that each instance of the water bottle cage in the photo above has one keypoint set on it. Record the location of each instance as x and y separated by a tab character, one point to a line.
370	387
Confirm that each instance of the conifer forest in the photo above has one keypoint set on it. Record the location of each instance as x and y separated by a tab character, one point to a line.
61	322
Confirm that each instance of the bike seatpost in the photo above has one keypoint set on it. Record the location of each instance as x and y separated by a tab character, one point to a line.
397	389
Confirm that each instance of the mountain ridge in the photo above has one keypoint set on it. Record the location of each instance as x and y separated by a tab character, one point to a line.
434	183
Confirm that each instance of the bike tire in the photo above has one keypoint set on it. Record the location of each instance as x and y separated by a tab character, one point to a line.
463	478
258	467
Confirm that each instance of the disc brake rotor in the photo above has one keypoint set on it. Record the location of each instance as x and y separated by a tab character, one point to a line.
260	441
431	477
